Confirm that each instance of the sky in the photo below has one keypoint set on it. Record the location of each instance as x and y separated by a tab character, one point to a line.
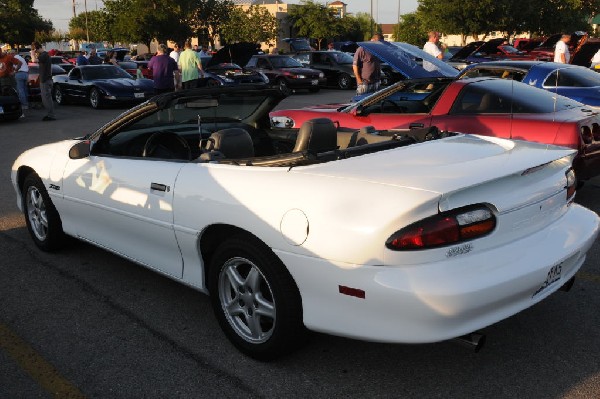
384	11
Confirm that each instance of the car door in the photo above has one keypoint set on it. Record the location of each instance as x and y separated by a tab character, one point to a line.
323	63
125	204
73	85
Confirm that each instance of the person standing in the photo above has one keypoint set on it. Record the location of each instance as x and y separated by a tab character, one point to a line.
21	75
367	69
8	65
190	67
561	51
175	53
431	47
94	59
204	52
163	67
45	66
81	59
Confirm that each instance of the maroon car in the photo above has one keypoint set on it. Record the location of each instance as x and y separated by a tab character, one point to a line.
286	72
485	106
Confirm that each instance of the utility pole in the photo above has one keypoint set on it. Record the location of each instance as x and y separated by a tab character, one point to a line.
87	31
74	15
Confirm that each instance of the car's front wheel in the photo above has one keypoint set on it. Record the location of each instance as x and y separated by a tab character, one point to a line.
344	81
42	218
255	299
95	98
283	86
59	96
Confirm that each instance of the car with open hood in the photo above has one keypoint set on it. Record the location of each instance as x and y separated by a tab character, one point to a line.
480	51
336	65
576	82
465	230
483	105
545	50
101	86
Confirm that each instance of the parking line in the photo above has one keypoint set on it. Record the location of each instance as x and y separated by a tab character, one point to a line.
36	366
594	278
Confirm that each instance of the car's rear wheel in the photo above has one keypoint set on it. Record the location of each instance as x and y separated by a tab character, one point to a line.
95	98
255	299
59	96
42	218
283	86
344	81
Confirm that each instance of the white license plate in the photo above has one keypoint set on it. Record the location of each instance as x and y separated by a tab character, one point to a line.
1	110
552	277
315	82
138	95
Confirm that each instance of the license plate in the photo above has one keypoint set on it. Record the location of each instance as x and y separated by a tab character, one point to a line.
138	95
552	277
1	110
315	82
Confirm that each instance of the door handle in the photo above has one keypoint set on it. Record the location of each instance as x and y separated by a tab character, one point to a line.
416	125
159	187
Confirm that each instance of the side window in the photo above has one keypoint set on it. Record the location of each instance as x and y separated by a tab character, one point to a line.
75	74
262	63
474	100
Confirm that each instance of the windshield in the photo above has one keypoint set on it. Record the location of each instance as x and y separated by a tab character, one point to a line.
573	77
511	50
104	72
285	62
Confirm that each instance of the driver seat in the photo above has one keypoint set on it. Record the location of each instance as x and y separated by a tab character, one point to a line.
232	143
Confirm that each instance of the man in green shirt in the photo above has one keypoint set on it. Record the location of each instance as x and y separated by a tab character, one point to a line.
190	67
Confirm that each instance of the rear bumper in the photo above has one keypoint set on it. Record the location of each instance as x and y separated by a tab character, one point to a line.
433	302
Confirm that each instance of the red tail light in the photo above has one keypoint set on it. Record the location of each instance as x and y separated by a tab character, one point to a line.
447	228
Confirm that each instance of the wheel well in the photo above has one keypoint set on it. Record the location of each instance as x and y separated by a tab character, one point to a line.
22	174
212	236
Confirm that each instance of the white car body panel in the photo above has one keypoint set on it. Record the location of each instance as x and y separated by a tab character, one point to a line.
350	209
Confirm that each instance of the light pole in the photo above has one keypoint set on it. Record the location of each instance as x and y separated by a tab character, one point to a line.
87	31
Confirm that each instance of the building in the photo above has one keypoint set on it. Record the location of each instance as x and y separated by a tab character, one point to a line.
339	7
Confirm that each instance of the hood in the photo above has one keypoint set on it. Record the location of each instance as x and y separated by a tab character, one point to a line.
466	51
585	51
402	57
469	159
238	53
491	46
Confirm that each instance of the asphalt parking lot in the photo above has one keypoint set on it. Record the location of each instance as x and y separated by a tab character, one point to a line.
85	323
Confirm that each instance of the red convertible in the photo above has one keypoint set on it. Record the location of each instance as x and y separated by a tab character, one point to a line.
485	106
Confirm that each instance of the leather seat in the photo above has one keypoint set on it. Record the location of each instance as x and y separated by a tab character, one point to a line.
316	135
233	143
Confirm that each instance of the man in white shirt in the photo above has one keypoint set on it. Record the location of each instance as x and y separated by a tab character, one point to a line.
561	51
431	48
175	53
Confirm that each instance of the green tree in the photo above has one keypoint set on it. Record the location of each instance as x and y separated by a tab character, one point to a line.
410	29
206	17
96	26
365	23
313	20
253	25
19	22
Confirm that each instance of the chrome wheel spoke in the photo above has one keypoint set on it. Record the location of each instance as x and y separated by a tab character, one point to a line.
263	307
233	276
253	280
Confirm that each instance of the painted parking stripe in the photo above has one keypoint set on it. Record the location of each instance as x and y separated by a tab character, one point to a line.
36	366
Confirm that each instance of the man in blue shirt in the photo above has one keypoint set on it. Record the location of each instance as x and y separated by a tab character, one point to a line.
81	60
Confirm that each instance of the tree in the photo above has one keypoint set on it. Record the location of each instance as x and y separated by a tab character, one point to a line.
19	22
365	22
206	17
254	25
313	20
96	26
410	29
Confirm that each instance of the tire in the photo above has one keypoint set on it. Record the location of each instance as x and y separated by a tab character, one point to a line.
212	83
59	96
42	218
255	299
344	81
283	86
95	99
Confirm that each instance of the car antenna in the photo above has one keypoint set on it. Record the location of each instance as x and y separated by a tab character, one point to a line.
555	95
200	131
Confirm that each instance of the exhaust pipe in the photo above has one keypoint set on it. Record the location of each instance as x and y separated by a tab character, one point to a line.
568	285
472	340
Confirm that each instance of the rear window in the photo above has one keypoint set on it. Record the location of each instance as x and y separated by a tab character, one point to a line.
573	77
507	96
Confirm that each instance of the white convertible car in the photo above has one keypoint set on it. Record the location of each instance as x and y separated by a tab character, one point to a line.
399	236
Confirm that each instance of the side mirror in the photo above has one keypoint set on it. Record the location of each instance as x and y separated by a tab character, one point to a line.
80	150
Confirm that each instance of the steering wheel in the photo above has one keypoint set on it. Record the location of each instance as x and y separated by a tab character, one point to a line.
167	145
396	107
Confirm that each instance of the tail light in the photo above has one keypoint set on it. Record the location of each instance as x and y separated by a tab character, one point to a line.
447	228
571	184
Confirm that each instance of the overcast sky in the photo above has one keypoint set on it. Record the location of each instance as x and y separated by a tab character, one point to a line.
384	11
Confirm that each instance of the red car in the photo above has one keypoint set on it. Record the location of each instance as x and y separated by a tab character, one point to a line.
485	106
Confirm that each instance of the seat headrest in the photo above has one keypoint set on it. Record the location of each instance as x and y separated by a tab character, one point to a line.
232	143
317	135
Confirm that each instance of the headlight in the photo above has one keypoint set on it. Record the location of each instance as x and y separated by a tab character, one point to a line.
282	121
228	80
300	76
321	75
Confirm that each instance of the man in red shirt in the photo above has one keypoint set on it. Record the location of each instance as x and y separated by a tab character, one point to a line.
8	66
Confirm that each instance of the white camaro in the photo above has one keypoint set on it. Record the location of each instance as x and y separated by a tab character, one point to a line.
414	236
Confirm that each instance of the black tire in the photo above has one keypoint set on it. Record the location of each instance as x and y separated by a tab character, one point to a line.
212	83
42	218
344	81
264	316
95	99
59	96
283	86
